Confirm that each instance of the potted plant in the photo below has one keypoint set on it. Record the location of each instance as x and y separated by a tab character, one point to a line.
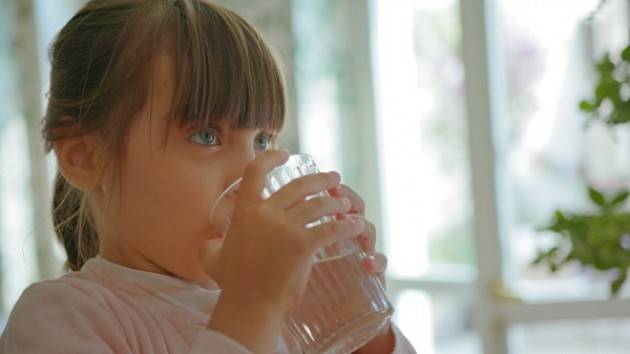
599	240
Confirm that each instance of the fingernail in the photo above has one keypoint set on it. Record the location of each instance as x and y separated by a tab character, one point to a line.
371	261
358	222
345	201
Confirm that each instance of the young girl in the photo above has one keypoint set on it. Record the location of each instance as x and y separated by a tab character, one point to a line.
155	107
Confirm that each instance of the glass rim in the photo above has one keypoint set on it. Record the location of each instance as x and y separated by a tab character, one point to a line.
293	160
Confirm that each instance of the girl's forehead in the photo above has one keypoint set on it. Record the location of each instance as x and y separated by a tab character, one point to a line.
163	100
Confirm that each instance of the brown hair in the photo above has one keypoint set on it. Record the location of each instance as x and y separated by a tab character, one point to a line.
102	62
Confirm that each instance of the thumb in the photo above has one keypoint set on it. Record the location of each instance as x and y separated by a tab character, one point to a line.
209	254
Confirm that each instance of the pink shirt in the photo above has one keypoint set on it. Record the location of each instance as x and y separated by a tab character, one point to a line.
106	308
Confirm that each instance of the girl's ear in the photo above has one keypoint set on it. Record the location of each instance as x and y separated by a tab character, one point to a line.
78	160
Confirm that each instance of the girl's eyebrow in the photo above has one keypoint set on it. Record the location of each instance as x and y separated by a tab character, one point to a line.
218	126
199	125
221	130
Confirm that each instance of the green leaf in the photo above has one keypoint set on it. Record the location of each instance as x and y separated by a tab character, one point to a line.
559	222
615	118
606	66
620	198
596	196
623	110
588	107
601	264
625	54
608	88
618	283
560	218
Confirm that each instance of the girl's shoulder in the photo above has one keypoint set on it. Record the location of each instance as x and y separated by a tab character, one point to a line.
69	299
71	289
50	312
90	284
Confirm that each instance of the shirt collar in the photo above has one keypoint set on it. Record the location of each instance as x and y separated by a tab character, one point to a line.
179	292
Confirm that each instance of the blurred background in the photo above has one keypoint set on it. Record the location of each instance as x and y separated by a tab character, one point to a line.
456	120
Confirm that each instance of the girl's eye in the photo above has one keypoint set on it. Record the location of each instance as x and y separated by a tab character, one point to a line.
207	137
262	141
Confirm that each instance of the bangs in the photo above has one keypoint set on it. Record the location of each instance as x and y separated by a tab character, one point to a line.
223	71
105	61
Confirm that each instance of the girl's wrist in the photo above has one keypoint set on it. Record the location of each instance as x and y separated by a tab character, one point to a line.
255	326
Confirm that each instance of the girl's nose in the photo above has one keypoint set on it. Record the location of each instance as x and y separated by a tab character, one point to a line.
239	159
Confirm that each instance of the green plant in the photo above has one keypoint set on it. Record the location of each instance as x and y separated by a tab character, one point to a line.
600	240
611	103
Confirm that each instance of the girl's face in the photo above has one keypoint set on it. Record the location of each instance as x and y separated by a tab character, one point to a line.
154	214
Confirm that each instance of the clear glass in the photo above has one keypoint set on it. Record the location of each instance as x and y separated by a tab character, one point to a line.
343	306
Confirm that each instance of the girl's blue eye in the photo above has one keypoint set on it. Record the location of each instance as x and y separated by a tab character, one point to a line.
262	141
205	137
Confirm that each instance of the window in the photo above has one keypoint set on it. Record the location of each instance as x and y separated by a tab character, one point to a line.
24	260
457	291
551	154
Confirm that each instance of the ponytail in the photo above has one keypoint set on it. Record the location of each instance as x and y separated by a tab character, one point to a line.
73	224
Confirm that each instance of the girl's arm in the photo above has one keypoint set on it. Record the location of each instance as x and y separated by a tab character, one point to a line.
252	325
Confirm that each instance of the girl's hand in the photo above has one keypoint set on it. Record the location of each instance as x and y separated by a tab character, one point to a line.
375	263
264	262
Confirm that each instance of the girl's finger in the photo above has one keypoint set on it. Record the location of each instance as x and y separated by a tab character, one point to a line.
328	233
375	263
318	207
358	205
300	188
367	239
256	173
